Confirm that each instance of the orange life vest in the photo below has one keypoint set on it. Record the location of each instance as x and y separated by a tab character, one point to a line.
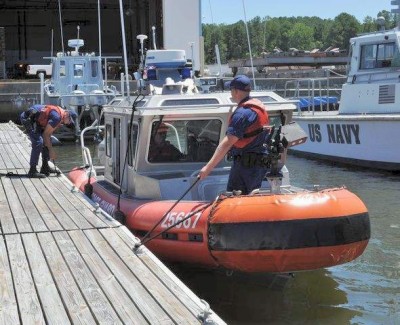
43	117
257	127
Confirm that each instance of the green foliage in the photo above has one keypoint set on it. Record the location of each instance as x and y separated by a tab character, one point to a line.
303	33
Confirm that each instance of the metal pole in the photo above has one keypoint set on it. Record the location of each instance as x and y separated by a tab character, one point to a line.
121	13
248	42
61	28
99	18
154	37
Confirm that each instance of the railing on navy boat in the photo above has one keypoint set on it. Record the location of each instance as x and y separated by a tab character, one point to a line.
317	93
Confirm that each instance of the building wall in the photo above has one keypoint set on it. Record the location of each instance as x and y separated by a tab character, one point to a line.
182	28
32	28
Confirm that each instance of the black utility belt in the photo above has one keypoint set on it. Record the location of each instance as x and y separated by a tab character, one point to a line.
252	159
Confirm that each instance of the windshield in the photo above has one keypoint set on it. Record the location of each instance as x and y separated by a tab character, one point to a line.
183	140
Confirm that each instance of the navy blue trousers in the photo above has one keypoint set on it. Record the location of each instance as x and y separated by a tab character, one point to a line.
37	148
245	179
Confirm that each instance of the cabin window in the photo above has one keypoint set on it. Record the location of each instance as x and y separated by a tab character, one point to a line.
265	99
108	140
78	70
190	101
62	69
133	133
377	56
182	141
94	67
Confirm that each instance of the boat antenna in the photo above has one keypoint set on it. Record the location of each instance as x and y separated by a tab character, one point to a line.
216	47
248	42
52	42
141	39
78	28
121	13
99	22
192	49
61	27
153	28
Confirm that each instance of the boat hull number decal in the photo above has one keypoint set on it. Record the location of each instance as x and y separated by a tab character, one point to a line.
335	133
174	217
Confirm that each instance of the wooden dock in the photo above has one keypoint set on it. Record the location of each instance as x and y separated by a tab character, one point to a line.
62	261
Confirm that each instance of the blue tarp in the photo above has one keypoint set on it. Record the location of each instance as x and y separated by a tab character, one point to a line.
305	102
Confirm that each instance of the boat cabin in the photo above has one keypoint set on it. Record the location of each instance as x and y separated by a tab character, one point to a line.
77	84
157	149
373	74
75	71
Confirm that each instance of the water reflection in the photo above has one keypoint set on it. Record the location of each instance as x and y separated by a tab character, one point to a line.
307	298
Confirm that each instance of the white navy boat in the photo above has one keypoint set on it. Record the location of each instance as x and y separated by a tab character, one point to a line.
77	83
365	131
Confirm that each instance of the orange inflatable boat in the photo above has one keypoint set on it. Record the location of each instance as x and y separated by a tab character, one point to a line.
264	232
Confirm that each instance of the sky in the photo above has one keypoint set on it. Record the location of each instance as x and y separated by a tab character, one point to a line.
231	11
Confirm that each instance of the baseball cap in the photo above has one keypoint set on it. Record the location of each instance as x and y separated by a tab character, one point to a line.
72	118
240	82
162	128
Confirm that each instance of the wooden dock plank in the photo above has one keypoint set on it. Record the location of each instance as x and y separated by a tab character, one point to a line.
8	303
80	203
20	218
63	197
47	216
139	293
6	218
28	301
169	302
6	159
28	205
95	297
51	302
77	308
164	275
2	162
56	209
15	159
124	306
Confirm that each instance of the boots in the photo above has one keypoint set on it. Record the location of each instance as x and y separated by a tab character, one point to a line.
47	170
33	173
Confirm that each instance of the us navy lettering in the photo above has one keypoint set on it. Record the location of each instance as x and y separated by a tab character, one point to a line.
343	133
314	132
337	133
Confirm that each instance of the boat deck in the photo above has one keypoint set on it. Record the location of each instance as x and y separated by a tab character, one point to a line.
62	260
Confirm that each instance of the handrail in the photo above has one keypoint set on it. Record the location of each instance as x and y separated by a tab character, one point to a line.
86	155
312	85
210	105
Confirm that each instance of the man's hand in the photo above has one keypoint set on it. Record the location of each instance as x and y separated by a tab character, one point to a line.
204	172
225	145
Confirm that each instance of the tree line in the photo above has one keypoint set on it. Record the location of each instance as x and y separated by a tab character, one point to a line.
283	33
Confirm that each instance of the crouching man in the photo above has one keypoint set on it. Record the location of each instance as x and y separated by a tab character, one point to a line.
40	122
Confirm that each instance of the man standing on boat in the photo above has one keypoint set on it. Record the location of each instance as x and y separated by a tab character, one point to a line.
244	140
40	122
